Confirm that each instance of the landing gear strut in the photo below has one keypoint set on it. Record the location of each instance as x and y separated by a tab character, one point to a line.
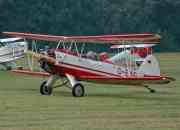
150	89
47	90
77	88
46	87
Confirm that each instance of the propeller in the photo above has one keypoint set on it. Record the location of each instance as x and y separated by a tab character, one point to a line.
46	62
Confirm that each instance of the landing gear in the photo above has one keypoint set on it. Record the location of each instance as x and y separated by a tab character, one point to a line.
150	89
76	86
45	89
78	90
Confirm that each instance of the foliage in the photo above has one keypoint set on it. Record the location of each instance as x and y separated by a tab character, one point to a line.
91	17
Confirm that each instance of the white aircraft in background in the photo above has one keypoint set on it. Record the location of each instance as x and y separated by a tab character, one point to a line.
11	49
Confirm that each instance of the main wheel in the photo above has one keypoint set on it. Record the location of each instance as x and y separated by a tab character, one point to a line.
78	90
44	89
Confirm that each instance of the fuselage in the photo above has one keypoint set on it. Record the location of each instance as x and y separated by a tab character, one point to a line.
102	72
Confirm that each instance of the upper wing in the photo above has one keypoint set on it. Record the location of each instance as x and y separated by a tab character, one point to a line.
35	36
127	38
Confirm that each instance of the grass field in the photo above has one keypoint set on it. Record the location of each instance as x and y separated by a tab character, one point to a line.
104	107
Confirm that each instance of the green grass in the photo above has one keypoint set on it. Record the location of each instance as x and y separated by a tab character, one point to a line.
105	107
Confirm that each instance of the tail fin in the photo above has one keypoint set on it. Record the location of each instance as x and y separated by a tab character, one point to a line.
150	66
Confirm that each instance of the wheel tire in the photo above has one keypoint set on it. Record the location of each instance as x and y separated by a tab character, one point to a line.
44	89
78	90
152	91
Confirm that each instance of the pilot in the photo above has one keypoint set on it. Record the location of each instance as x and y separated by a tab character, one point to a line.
92	55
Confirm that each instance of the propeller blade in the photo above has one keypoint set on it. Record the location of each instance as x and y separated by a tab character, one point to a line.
38	56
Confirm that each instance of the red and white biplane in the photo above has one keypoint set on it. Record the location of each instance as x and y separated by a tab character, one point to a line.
134	64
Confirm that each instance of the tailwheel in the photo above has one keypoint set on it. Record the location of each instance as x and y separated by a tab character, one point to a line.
44	89
78	90
150	89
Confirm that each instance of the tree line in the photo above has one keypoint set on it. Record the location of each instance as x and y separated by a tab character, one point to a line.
93	17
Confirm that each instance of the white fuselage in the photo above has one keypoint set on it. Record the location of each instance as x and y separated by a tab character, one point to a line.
106	69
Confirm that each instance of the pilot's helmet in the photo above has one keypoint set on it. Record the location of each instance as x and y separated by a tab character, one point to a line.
91	55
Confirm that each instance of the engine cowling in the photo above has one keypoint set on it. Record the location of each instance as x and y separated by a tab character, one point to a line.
45	65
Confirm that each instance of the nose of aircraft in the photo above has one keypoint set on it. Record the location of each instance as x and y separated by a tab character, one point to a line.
38	56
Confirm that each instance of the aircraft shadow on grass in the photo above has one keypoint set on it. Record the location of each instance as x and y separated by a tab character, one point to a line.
141	95
128	95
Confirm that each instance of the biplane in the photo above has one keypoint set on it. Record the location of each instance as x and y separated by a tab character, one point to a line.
11	49
134	64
